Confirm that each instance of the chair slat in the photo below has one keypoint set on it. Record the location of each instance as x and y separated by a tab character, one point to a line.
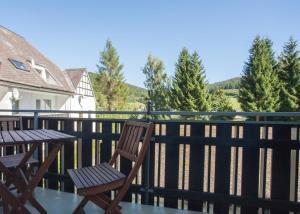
131	140
10	125
133	149
4	126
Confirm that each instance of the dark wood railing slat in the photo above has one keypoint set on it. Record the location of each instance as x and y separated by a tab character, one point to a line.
250	168
196	170
172	164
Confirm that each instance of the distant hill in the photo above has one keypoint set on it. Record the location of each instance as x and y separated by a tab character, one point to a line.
231	90
136	95
233	83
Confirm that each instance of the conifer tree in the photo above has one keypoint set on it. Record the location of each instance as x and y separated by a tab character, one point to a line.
289	76
199	83
189	87
219	101
157	83
111	79
259	83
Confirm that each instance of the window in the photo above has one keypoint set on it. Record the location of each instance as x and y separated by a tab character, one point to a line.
43	72
50	79
19	65
47	104
38	104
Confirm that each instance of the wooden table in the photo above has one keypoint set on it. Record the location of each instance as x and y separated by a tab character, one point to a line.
25	186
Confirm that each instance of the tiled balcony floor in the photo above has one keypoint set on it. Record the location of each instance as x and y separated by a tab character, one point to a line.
57	202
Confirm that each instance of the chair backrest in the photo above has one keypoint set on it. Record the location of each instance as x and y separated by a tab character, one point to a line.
128	146
11	123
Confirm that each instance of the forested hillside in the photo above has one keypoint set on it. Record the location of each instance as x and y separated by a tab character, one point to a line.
232	83
137	95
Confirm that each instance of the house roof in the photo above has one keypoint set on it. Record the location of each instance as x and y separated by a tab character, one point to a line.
15	47
75	75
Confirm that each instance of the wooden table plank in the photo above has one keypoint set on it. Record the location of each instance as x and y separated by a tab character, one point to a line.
33	136
24	136
6	137
15	136
34	132
52	136
57	133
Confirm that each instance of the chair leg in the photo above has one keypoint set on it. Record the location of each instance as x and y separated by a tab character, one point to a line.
5	208
37	205
107	199
19	210
79	208
115	203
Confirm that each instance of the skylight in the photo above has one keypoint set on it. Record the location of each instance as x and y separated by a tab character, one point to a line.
19	65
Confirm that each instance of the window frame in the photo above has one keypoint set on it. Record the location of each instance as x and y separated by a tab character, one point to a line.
14	61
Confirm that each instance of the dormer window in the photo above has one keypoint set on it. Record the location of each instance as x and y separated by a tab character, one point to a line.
19	65
43	72
50	79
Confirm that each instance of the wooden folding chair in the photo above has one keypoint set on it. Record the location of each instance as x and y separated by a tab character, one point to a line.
13	161
92	182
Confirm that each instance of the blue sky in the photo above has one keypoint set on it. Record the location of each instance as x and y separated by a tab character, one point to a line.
71	33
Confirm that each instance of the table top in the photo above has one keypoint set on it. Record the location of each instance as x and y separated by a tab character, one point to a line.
15	137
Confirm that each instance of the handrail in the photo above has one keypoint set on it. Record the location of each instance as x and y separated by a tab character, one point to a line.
168	113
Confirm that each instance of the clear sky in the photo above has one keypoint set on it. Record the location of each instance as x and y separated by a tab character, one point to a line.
71	33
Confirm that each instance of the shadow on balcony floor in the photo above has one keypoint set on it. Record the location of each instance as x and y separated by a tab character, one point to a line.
56	202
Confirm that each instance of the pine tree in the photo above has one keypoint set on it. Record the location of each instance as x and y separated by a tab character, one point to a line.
199	84
219	101
157	83
111	78
289	76
259	83
189	87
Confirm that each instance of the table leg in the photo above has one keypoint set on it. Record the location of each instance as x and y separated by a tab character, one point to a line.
25	187
27	156
40	173
9	199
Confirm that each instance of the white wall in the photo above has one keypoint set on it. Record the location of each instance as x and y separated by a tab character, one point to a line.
5	102
87	104
58	101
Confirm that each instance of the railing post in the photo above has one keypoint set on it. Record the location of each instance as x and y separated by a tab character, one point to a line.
149	108
147	170
36	126
35	120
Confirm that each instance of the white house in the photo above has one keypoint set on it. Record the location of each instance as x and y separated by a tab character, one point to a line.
29	80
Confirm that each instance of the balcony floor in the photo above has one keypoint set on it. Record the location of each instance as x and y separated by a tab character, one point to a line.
62	202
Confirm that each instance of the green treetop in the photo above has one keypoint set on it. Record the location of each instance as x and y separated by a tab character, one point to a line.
189	87
111	78
157	83
259	82
220	102
289	76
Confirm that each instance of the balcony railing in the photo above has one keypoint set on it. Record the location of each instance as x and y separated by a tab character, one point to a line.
204	165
